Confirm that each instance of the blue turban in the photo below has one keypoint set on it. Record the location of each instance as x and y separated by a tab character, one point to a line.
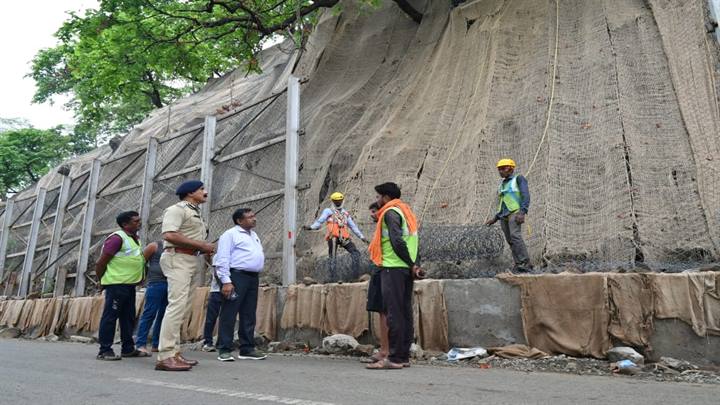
188	187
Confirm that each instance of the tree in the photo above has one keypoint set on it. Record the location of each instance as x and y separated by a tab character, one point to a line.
130	56
26	154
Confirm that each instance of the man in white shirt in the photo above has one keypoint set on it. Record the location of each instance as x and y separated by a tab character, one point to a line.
238	263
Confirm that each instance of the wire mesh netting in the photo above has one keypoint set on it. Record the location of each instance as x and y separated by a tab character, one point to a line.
107	207
610	112
179	153
122	173
78	189
48	218
269	215
13	265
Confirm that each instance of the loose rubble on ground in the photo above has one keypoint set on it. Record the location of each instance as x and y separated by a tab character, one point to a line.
624	362
667	369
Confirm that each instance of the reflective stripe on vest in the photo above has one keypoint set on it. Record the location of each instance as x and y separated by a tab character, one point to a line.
389	257
509	193
128	264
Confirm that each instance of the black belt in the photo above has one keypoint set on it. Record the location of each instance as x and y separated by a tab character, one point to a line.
249	273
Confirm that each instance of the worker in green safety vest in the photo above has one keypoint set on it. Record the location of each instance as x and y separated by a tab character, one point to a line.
394	249
120	268
512	206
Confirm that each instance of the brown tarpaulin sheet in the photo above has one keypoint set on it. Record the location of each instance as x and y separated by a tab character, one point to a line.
194	320
304	307
578	314
565	313
84	314
266	313
345	309
517	351
693	298
430	315
631	305
41	317
11	314
340	308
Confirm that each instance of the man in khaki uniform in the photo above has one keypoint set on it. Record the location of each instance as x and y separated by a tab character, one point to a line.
184	233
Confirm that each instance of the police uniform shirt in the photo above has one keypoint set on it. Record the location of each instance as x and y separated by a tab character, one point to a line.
184	218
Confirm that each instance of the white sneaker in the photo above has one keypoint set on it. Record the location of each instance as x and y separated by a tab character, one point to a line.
208	348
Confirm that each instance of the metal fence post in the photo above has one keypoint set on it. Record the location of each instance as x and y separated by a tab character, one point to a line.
5	235
86	235
291	177
206	166
147	188
26	274
56	236
206	174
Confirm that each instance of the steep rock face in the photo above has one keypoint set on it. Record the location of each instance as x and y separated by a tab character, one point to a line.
609	107
622	167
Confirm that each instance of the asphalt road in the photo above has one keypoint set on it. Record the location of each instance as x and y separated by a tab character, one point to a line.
36	372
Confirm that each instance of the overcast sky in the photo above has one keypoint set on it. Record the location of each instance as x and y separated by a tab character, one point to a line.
25	28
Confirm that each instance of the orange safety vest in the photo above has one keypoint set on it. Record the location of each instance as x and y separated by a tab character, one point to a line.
337	225
375	248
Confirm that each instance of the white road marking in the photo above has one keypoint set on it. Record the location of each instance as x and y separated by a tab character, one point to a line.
224	392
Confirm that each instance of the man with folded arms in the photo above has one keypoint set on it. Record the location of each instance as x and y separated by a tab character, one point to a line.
185	236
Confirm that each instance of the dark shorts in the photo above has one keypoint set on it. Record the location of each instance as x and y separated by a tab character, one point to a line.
374	298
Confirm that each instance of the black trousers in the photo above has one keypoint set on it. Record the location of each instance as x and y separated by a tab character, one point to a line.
354	255
245	304
211	315
397	290
119	307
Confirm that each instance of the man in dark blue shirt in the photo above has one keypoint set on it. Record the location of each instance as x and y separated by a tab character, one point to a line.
513	205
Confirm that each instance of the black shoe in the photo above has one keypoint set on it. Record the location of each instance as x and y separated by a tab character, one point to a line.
253	355
108	356
227	356
136	353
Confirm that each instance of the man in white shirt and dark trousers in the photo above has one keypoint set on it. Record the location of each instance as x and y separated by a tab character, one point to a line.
238	263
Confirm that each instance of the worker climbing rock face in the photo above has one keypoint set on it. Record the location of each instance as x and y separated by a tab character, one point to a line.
513	204
339	223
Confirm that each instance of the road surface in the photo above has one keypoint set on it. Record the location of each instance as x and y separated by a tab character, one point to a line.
37	372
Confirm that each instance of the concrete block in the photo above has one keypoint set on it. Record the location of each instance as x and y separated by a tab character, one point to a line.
674	338
483	312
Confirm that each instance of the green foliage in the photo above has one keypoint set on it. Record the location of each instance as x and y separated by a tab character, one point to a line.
130	56
26	154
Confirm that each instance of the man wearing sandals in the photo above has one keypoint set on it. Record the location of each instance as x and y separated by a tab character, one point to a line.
394	249
120	268
374	300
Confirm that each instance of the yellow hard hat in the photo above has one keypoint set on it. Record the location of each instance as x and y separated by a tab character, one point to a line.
506	162
337	196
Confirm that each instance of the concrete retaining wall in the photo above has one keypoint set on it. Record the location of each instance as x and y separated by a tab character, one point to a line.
487	312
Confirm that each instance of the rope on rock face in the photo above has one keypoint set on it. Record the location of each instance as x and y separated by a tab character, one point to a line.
550	105
552	88
545	129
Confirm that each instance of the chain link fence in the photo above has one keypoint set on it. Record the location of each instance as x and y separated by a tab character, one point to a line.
247	163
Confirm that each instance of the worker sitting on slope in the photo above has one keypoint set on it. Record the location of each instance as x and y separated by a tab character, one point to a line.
338	221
